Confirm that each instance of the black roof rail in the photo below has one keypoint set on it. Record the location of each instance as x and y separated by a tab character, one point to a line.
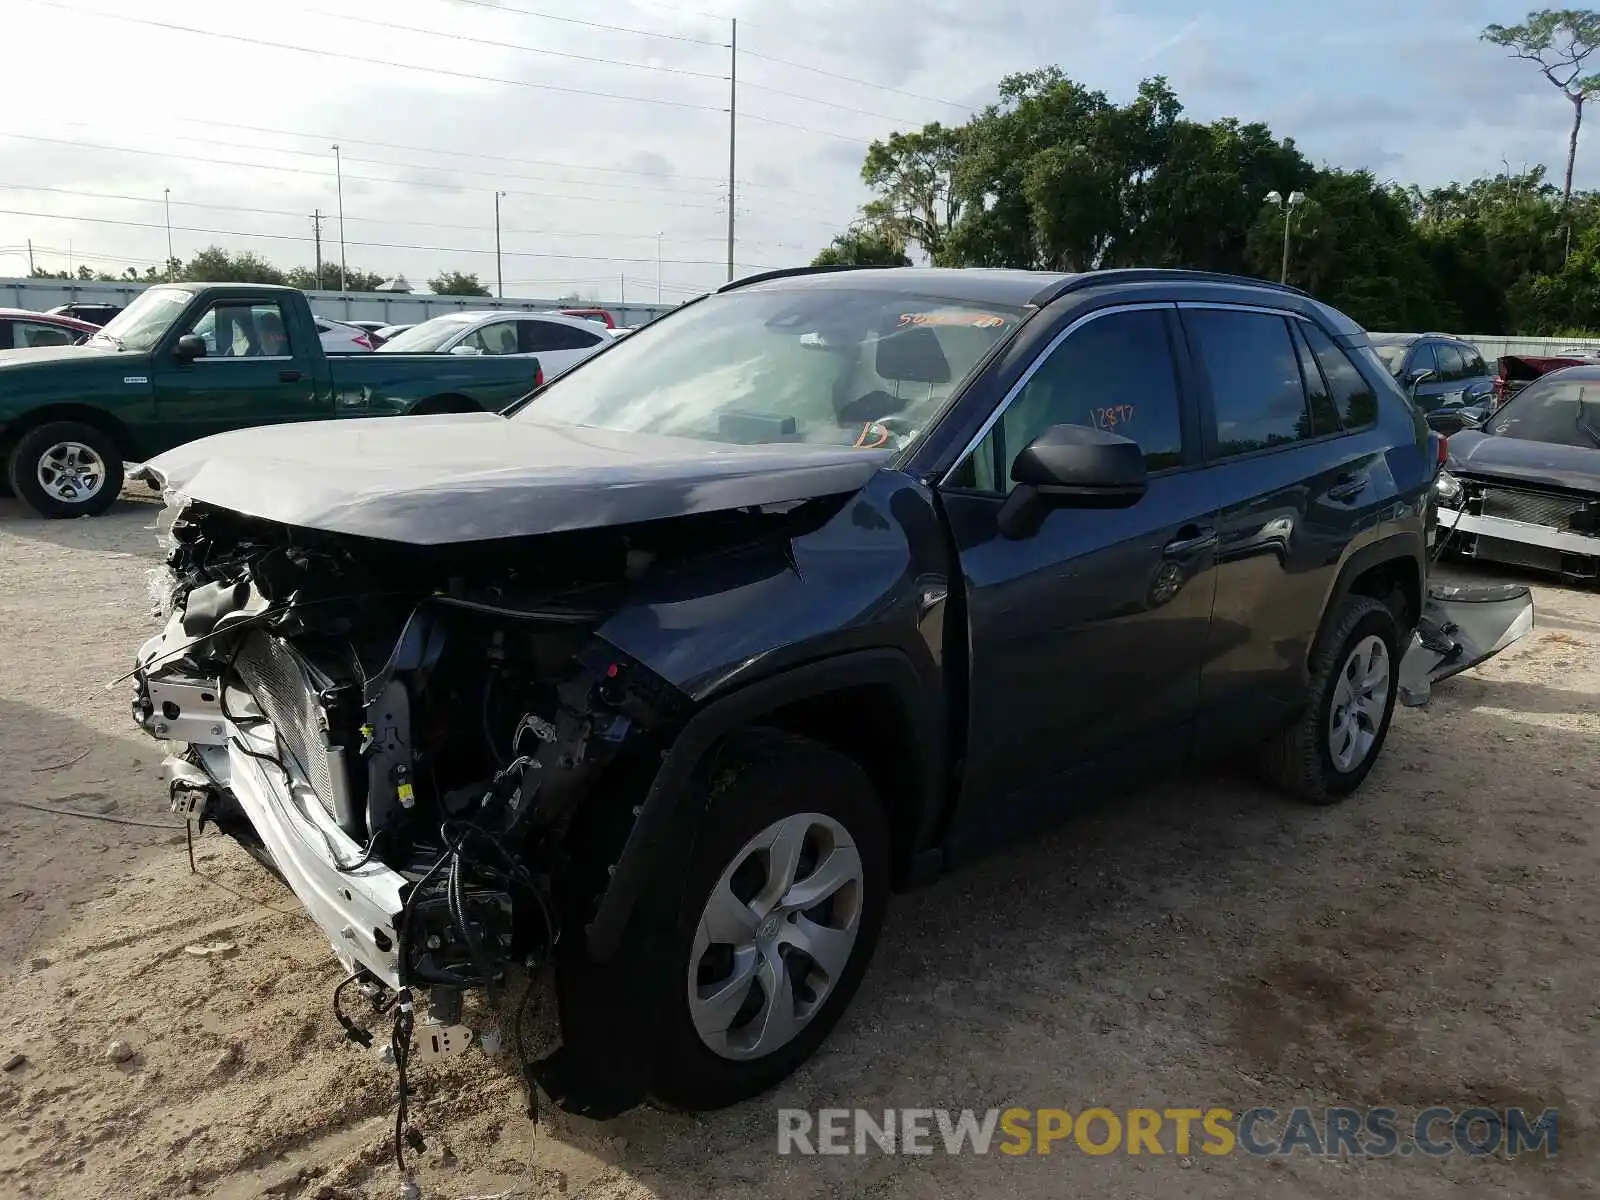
1113	275
789	272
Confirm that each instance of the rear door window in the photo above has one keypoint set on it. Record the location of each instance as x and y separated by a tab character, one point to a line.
1258	398
536	336
1353	396
1452	363
1324	414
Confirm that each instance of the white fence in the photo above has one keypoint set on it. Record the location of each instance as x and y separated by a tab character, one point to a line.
42	294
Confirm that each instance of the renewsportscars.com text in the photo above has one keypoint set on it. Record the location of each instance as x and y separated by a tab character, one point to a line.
1258	1132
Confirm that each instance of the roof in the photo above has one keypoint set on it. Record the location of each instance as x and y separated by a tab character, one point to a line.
27	314
983	285
996	285
469	316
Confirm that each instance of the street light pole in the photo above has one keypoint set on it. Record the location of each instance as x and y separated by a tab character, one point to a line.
499	276
338	172
1295	199
166	199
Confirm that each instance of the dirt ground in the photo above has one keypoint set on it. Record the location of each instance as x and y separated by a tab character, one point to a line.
1433	941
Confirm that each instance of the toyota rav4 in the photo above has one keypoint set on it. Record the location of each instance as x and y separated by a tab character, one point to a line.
659	683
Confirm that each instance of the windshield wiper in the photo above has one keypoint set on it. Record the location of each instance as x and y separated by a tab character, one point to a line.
110	337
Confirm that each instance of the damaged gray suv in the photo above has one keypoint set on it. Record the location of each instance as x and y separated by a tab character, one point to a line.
660	682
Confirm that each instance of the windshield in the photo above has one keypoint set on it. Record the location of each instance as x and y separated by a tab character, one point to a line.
1392	353
1563	411
426	337
834	366
141	325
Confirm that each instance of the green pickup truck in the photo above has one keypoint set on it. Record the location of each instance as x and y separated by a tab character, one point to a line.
187	360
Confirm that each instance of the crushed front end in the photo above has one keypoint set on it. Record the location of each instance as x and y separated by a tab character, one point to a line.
1523	524
431	747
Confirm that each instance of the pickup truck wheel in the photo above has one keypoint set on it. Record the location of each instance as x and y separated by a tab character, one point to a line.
66	469
1325	755
776	920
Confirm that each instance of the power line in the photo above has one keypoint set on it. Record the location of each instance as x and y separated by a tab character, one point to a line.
287	237
369	22
324	138
297	215
379	62
421	183
355	141
410	183
882	87
649	33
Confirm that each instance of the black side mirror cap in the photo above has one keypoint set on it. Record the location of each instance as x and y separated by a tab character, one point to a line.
1071	466
190	346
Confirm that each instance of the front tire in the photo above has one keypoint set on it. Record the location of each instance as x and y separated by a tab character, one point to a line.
777	916
66	469
1327	753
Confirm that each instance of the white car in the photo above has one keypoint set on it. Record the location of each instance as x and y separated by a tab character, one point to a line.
339	338
559	342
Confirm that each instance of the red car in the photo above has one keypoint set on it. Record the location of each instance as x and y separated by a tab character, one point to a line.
23	329
592	314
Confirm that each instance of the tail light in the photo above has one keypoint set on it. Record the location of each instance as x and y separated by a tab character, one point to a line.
1442	450
538	377
363	341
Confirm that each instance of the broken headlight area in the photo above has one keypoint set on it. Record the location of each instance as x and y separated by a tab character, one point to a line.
433	748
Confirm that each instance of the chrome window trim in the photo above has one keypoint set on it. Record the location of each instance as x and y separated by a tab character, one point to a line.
1038	361
1252	308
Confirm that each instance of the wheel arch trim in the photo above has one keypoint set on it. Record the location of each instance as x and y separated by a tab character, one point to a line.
742	707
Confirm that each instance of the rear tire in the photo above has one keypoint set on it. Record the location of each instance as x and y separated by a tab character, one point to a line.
66	469
1355	673
773	799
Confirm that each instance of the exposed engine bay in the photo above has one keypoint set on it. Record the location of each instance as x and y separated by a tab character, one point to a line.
431	746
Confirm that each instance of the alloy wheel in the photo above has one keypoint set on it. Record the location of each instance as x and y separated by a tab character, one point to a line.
71	472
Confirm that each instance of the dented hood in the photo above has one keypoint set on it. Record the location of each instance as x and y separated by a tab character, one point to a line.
1545	464
477	476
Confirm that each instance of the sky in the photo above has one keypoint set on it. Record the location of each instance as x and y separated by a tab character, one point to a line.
606	126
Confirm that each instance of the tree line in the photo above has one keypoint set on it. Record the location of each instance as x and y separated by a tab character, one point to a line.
1056	176
216	265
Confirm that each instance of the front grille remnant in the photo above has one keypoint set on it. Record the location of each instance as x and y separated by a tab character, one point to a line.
283	684
1535	508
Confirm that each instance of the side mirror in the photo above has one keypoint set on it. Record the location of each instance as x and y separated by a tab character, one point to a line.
1071	466
465	351
190	347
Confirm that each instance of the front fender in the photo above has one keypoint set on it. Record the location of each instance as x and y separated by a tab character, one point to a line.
857	602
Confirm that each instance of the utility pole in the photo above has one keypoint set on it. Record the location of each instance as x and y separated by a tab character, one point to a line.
338	171
622	289
30	258
316	233
1295	200
166	198
659	236
733	104
499	275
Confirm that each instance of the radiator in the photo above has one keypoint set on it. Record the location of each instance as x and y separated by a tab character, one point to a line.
286	687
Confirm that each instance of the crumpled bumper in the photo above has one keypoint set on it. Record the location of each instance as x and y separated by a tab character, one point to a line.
1462	625
358	907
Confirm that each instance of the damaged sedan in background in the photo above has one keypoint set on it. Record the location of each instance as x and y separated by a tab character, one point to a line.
658	684
1525	489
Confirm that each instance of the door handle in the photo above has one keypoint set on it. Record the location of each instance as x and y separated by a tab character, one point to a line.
288	376
1195	540
1347	487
